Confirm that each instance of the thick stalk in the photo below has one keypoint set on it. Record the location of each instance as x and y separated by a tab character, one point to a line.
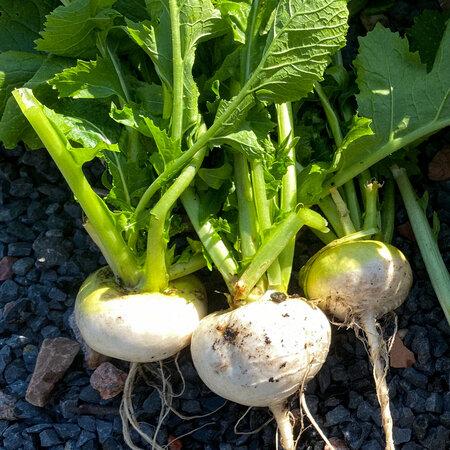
288	195
371	212
246	207
215	245
436	268
333	122
281	415
156	277
329	209
377	154
388	211
178	270
379	358
273	246
177	67
344	215
263	217
101	221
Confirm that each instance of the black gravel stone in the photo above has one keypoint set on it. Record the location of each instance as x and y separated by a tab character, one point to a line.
420	426
90	395
215	402
12	211
104	430
67	430
401	435
355	433
49	438
5	357
84	437
9	291
25	410
191	406
416	400
21	188
152	403
15	371
23	266
12	439
437	438
434	403
415	378
338	415
87	423
372	445
50	332
364	411
29	356
19	249
50	252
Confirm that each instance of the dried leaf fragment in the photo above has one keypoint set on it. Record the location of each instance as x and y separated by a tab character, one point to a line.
439	166
400	356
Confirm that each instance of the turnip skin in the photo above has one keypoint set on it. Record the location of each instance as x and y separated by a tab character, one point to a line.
358	282
138	327
358	276
261	353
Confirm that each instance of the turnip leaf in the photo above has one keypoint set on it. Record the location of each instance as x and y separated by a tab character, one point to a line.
89	79
72	30
21	21
403	101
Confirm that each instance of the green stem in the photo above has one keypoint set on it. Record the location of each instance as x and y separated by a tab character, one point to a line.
101	222
178	79
246	208
344	215
273	246
374	155
216	247
288	195
263	217
328	207
156	277
178	270
326	238
353	204
388	211
371	212
436	268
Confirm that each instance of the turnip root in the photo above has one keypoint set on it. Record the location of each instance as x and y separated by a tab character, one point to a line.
358	282
138	327
261	353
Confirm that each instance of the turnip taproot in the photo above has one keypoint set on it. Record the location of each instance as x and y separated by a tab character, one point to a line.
138	326
358	282
261	353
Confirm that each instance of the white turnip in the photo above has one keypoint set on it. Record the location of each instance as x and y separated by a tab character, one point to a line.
261	353
358	282
138	326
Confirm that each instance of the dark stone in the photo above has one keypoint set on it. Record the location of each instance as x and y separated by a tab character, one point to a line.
445	419
355	433
19	249
50	252
5	357
415	378
21	188
68	408
67	430
337	415
9	291
57	294
17	389
104	430
401	435
112	444
12	210
23	266
421	346
84	437
354	399
372	445
24	410
35	211
364	411
206	435
191	406
50	332
87	423
15	371
90	395
437	438
434	403
152	403
54	192
49	438
405	418
213	403
420	426
38	428
416	400
324	378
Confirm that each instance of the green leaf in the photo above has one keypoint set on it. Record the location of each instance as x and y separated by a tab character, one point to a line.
133	9
21	21
403	101
426	34
14	127
215	177
298	48
236	13
89	79
72	30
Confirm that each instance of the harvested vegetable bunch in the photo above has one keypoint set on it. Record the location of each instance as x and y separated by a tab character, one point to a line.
267	345
359	281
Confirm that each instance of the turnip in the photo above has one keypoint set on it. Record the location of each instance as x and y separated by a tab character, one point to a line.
261	353
358	282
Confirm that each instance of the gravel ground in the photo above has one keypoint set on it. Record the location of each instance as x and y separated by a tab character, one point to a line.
40	225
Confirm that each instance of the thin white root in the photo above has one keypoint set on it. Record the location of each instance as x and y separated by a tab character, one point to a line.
283	418
253	431
379	357
313	421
